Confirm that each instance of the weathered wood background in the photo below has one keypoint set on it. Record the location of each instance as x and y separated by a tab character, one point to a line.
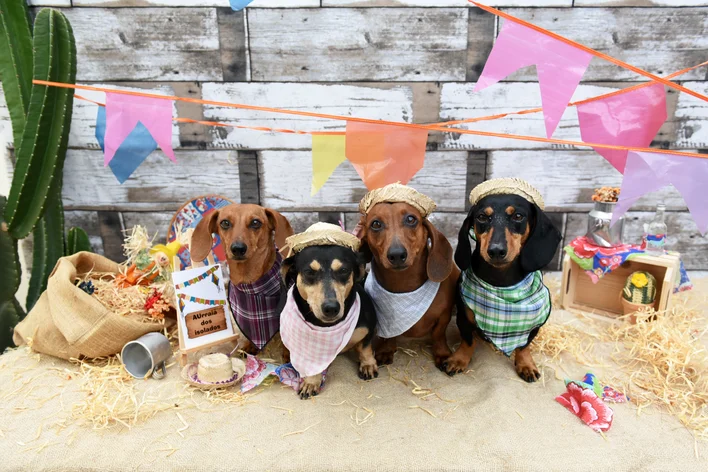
407	60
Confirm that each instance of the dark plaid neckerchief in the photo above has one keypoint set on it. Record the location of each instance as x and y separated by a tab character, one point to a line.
255	306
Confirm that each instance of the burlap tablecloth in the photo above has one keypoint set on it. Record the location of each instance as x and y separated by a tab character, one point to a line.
485	419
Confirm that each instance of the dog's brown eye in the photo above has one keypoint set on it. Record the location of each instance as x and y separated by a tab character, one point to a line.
225	224
376	225
483	218
308	273
255	224
411	220
518	217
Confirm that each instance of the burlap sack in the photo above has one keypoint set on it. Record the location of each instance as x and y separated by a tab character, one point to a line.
67	322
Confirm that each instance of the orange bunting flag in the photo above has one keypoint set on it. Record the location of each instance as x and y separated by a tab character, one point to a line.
385	154
327	154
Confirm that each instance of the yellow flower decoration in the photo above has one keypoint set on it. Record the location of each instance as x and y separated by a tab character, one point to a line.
639	279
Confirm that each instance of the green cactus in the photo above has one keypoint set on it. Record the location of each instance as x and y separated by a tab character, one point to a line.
16	62
48	238
77	241
45	137
11	312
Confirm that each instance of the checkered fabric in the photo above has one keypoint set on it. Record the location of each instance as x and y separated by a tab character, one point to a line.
396	313
506	316
255	306
313	348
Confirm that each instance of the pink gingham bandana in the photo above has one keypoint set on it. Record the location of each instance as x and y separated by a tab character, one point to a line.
313	348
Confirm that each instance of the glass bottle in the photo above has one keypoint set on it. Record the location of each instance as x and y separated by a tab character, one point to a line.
655	233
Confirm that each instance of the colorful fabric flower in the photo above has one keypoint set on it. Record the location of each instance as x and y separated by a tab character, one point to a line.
586	405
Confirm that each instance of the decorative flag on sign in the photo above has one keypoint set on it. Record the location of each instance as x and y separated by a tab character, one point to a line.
124	112
559	66
627	119
647	172
328	151
385	154
238	5
133	150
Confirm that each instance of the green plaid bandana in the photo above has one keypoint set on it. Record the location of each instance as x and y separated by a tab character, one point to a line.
507	315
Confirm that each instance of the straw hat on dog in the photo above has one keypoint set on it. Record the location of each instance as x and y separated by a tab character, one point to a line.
507	186
397	193
322	234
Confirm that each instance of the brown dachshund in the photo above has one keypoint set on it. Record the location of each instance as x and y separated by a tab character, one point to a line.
250	235
395	236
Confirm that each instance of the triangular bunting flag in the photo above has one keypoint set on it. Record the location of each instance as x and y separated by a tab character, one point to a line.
647	172
124	112
626	119
132	152
238	5
327	153
559	66
385	154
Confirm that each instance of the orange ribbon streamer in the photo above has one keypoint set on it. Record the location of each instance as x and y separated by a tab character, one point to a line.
368	120
595	53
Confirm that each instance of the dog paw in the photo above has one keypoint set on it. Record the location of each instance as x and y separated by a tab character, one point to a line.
385	357
308	390
250	348
452	365
368	372
527	370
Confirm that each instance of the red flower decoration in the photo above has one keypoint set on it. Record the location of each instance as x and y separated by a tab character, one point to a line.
586	405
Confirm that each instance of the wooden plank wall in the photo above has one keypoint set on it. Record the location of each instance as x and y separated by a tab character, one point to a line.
407	60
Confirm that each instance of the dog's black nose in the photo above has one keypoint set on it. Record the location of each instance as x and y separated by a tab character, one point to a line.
397	255
330	308
496	251
239	249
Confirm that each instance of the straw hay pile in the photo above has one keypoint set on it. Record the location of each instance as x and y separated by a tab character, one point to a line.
659	361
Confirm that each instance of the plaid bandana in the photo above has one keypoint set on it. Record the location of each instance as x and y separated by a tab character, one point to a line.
506	316
313	348
255	306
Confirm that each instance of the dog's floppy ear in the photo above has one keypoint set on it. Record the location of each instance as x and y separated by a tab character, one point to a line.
541	246
360	266
202	241
288	272
439	254
364	249
463	253
280	225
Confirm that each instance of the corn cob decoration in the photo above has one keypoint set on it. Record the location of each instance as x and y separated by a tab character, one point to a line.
640	288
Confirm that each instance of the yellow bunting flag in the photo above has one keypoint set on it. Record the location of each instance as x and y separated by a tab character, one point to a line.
327	154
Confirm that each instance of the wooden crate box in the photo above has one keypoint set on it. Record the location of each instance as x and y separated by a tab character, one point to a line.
580	293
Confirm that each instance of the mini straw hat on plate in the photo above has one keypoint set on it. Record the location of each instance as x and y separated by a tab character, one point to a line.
214	371
507	186
397	193
322	234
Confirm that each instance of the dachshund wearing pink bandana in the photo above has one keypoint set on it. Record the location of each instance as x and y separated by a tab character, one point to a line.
327	312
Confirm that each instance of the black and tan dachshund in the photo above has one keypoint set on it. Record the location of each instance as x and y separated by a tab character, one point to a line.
514	239
327	280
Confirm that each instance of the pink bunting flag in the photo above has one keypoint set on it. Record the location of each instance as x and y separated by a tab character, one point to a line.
559	66
123	112
648	171
385	154
627	119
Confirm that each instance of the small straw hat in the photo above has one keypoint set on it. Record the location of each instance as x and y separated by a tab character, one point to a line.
507	186
322	234
214	371
397	193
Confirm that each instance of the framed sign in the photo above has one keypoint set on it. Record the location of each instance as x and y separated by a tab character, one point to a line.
203	314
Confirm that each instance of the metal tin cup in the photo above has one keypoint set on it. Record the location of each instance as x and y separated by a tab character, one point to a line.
599	230
146	355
